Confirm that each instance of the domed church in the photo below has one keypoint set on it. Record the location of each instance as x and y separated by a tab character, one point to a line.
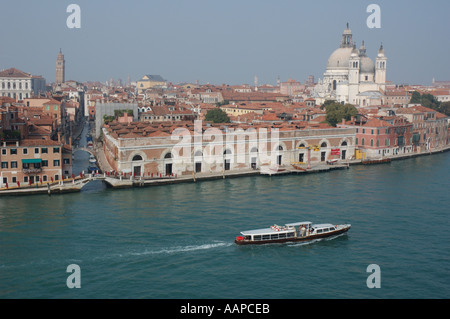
351	72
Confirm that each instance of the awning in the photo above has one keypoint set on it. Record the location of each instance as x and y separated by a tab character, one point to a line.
31	161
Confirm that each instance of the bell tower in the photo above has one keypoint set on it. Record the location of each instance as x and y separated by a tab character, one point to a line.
380	68
60	68
353	75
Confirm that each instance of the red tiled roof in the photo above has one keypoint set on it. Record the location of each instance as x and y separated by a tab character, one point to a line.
14	73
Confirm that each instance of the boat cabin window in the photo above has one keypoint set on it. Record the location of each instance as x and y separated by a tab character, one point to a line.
332	228
247	237
257	237
282	235
326	230
274	236
319	231
266	237
289	235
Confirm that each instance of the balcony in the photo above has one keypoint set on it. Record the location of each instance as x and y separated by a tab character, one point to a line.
29	169
32	170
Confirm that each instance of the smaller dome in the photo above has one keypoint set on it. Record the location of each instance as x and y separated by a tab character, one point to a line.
367	65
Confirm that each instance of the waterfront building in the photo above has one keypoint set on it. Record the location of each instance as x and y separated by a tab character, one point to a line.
186	148
27	152
350	72
429	126
31	161
379	137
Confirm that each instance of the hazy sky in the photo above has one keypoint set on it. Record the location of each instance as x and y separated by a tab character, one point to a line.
217	42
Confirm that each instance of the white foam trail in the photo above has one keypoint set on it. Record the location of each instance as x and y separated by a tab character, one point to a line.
316	240
181	249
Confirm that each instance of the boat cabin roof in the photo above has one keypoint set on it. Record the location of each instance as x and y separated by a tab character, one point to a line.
289	228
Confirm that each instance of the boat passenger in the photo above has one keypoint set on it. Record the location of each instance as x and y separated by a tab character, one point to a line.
303	231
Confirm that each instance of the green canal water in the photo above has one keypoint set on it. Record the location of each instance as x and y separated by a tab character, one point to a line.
176	241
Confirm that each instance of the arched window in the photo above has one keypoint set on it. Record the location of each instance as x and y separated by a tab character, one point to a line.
137	158
280	148
168	155
362	142
324	144
371	142
344	143
334	85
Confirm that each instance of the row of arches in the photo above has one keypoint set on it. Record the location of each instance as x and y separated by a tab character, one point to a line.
167	157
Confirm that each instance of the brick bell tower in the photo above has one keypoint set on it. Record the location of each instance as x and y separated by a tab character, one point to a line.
60	68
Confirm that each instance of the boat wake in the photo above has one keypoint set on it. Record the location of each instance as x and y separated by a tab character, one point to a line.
315	241
181	249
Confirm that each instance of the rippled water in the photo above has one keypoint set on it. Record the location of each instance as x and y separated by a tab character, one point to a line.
176	241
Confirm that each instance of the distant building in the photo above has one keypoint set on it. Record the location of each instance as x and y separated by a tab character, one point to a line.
102	109
291	86
150	81
60	68
19	85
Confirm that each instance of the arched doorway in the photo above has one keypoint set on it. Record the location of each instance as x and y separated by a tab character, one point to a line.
137	166
279	156
253	157
198	159
301	154
343	150
323	153
168	168
227	160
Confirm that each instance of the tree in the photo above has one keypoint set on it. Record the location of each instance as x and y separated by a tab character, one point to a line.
427	100
217	115
336	112
445	108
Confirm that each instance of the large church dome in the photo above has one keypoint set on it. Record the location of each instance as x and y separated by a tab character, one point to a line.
339	58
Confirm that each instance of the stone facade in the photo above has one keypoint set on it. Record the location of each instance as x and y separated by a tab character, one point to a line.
216	148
